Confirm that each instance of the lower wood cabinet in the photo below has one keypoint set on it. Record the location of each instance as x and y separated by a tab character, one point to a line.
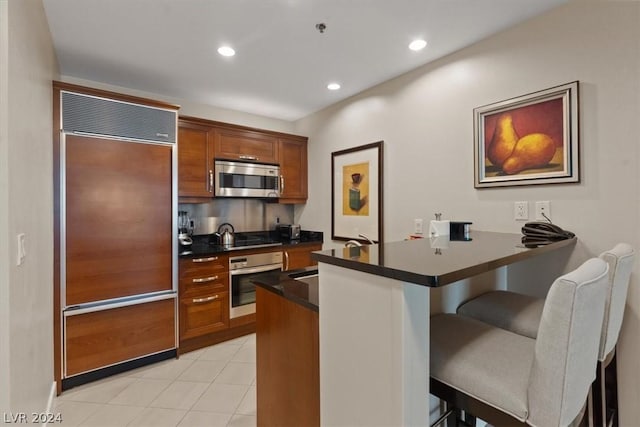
203	314
300	256
101	338
287	362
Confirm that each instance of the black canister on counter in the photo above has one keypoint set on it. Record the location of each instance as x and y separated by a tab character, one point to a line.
459	230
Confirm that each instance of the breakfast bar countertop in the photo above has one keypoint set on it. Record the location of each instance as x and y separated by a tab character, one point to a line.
298	286
437	261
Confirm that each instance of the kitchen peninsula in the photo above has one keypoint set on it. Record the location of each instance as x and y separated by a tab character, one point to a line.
374	321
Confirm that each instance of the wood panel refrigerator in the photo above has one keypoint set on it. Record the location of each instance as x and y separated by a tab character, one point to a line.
117	229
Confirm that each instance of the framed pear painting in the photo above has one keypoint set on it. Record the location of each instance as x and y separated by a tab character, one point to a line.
531	139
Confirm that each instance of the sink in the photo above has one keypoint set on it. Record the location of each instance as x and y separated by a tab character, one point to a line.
304	274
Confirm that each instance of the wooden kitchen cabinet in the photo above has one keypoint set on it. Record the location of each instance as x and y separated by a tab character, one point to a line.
102	338
299	256
202	141
293	169
203	314
204	296
195	160
245	145
287	362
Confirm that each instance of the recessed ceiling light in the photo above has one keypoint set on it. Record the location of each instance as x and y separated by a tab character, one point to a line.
333	86
417	44
226	51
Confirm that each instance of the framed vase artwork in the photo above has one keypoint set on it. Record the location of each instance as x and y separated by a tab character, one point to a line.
356	202
531	139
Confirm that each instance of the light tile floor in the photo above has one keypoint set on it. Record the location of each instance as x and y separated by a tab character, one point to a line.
214	386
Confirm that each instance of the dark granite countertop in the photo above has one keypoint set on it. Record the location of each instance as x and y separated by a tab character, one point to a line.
203	246
438	261
299	286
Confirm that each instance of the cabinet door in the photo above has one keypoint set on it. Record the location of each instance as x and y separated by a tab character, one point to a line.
203	314
195	160
101	338
293	168
232	144
118	222
300	256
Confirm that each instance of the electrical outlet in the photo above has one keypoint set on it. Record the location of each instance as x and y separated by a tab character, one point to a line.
418	226
22	251
521	211
543	211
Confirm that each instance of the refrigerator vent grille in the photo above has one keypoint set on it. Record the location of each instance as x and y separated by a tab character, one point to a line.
89	114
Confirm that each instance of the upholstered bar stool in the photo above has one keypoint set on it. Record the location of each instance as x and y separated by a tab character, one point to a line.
509	379
521	314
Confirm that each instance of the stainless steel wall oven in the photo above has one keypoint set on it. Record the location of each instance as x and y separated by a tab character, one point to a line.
242	268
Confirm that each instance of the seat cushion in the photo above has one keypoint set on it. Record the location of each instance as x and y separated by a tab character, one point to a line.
507	310
488	363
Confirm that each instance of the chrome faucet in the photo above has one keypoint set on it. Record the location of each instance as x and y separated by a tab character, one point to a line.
371	242
352	244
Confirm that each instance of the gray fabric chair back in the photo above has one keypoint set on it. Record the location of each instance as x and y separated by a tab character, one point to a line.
566	349
620	260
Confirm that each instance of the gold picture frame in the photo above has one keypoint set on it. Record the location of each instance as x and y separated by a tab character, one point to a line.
531	139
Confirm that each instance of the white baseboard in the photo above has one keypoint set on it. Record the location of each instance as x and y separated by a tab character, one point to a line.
52	396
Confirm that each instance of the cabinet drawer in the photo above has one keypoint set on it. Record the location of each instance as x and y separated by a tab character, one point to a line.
102	338
204	314
209	282
204	266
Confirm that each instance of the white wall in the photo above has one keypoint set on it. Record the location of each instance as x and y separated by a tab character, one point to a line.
425	118
26	191
4	209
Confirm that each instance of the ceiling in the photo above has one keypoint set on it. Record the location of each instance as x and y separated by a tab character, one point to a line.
283	63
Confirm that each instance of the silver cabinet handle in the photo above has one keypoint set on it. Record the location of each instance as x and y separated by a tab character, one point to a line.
245	157
286	260
210	181
281	184
205	279
213	258
207	299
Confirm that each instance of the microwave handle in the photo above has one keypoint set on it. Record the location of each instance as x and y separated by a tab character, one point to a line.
210	180
281	184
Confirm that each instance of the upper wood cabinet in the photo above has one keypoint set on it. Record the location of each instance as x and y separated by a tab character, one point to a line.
293	169
245	145
195	160
202	141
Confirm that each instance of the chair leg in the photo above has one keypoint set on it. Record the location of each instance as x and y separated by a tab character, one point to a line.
611	393
599	399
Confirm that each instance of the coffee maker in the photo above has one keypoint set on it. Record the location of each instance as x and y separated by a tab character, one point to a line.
185	229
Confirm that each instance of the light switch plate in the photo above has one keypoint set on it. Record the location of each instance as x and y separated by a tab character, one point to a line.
22	252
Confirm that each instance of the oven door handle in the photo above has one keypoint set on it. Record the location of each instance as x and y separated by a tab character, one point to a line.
260	269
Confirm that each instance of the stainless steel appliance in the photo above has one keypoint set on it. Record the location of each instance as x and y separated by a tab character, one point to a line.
185	229
225	236
236	179
241	270
289	231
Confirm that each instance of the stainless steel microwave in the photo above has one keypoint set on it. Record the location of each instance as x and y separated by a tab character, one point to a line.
237	179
